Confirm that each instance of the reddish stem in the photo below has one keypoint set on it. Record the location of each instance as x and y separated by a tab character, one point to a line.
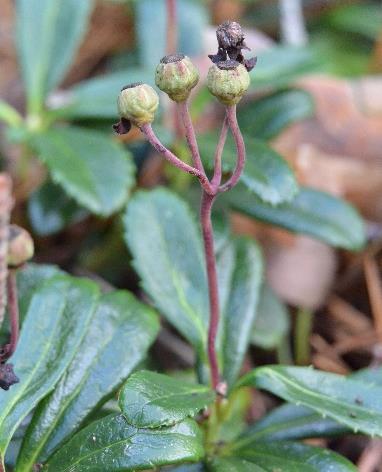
208	239
216	179
13	309
190	136
169	156
240	147
172	32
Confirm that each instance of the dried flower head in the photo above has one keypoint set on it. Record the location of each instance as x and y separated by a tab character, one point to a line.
231	42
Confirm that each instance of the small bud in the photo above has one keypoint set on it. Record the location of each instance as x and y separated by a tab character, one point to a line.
228	81
138	103
20	246
176	75
7	376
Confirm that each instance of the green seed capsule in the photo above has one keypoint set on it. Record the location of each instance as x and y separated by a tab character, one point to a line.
138	103
20	246
228	81
176	75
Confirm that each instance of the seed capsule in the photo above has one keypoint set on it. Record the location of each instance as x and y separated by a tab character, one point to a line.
20	246
228	81
176	75
138	103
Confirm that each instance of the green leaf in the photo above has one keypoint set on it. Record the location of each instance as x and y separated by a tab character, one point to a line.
312	212
266	173
150	400
233	464
9	115
120	333
298	422
268	116
272	320
188	468
50	210
164	241
112	444
91	167
289	422
48	33
29	278
293	457
353	403
240	270
281	65
97	97
57	319
362	19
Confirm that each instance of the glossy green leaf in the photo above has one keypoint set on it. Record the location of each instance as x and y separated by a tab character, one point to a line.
281	65
97	97
111	444
293	457
150	400
57	319
90	166
120	333
167	254
289	422
188	468
266	173
233	464
272	320
350	402
50	210
311	212
48	33
240	270
268	116
29	278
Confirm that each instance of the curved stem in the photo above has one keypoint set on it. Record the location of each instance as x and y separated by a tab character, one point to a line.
13	308
208	240
216	179
169	156
190	136
240	148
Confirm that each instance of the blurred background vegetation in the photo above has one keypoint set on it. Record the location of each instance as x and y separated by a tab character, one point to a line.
315	99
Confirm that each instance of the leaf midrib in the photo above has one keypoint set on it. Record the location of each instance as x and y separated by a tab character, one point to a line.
300	388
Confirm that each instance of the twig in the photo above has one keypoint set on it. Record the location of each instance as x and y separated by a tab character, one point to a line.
216	179
240	148
6	204
13	309
208	239
374	288
190	136
304	323
169	156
